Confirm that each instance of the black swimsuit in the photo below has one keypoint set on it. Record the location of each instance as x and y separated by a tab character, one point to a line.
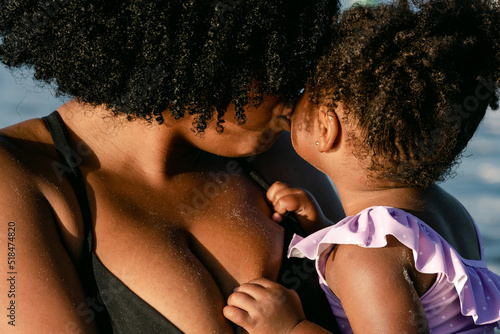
116	309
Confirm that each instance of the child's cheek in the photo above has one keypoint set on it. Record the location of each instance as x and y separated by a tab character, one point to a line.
302	135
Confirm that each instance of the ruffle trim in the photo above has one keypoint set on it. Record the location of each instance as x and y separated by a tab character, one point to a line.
478	288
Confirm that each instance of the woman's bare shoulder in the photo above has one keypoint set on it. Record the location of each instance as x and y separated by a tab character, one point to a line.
26	157
32	207
26	141
20	155
31	171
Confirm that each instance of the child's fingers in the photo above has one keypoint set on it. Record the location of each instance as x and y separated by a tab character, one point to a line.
284	198
241	299
241	304
238	316
280	189
249	294
276	187
264	282
264	292
296	201
288	202
276	217
253	289
260	305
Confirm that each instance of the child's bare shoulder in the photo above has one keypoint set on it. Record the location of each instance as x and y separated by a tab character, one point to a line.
383	278
354	264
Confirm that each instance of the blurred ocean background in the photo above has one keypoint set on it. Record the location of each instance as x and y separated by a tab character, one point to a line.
477	184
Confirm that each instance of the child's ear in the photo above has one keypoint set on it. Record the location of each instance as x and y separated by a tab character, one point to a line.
329	128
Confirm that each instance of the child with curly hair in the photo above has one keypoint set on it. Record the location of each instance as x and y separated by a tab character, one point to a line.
387	113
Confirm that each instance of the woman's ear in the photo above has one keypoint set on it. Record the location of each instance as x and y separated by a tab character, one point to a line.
329	128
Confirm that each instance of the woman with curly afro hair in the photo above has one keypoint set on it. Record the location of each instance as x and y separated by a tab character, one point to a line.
392	104
131	208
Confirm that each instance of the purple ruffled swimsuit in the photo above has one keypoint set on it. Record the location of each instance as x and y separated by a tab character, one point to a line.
465	297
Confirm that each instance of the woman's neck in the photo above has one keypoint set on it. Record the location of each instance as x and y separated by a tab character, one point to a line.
133	147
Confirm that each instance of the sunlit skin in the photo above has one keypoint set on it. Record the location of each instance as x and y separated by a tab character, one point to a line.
263	126
372	280
183	257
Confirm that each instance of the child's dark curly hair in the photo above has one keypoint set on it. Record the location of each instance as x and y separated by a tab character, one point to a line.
144	57
415	79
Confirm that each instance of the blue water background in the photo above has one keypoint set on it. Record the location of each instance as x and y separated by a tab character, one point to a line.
477	184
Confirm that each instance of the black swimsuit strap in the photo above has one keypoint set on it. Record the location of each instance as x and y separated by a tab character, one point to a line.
68	165
70	161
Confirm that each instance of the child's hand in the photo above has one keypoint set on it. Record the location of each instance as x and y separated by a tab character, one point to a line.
262	306
300	201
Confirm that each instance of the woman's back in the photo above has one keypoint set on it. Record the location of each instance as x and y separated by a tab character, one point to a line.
445	214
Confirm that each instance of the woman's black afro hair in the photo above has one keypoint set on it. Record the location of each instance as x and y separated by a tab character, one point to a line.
415	79
143	57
